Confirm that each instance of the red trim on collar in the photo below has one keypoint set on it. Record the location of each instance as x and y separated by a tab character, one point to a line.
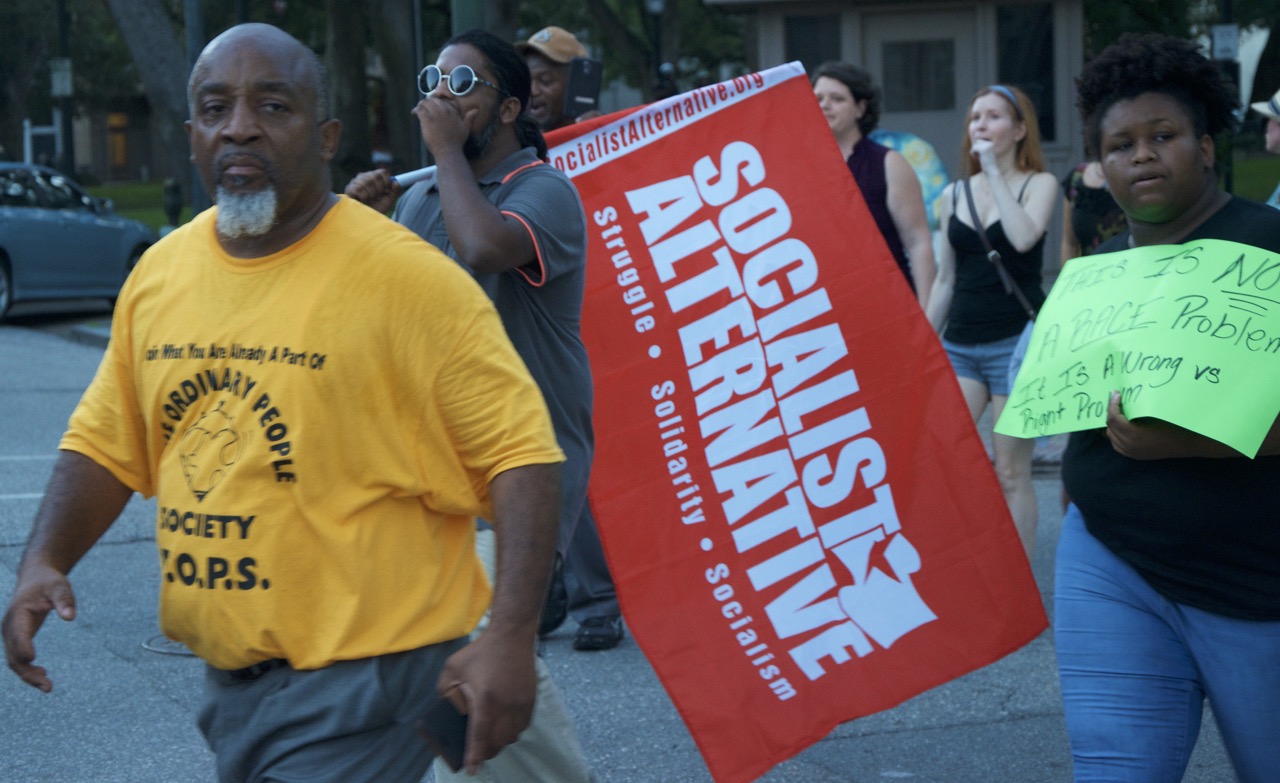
507	178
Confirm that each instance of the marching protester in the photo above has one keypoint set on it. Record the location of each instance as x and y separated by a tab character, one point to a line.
581	585
548	54
516	223
321	404
1168	569
851	104
988	301
1090	215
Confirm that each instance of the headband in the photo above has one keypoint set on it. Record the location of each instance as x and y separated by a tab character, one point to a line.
1008	94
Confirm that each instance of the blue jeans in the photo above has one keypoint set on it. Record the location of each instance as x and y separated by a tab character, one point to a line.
1135	670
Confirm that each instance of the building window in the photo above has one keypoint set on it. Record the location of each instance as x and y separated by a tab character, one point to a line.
813	40
1025	45
118	139
919	75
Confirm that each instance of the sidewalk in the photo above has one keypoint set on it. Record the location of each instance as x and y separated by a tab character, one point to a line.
95	333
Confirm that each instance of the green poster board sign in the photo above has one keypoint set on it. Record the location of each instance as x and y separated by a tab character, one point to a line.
1186	333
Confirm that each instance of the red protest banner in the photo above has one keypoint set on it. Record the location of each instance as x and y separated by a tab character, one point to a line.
802	523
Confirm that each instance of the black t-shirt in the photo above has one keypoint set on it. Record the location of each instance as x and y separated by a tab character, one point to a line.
1202	532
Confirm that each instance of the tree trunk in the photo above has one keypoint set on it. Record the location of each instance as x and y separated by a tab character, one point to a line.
391	22
345	52
157	48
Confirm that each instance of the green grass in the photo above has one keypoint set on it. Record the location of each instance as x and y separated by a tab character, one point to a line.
1255	175
142	201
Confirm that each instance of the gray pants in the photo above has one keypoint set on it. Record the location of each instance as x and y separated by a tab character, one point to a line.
586	572
351	721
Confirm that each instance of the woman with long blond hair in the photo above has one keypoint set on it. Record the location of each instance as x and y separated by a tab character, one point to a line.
987	302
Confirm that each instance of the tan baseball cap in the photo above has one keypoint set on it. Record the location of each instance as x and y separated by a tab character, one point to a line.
1269	109
554	43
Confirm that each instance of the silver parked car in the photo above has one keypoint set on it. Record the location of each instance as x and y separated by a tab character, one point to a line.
58	242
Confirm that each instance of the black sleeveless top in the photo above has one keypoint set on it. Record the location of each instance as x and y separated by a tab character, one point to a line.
866	163
981	310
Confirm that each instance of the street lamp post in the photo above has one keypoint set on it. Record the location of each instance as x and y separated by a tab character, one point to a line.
655	9
67	161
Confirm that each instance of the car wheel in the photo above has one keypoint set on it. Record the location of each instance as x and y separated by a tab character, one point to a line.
128	268
134	258
6	286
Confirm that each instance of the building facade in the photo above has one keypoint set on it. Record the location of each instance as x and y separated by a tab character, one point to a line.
929	58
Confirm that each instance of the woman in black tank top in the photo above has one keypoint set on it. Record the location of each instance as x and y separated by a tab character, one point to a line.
1013	199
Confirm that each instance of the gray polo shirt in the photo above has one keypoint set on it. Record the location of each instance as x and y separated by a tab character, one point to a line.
541	302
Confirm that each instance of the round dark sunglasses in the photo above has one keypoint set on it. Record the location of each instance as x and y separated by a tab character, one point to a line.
460	80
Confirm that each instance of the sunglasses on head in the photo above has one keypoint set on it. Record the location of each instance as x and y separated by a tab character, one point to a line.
460	80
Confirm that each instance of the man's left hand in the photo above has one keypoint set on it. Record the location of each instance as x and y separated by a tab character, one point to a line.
497	679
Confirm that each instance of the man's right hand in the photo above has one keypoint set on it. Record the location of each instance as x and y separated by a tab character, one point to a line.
40	590
374	189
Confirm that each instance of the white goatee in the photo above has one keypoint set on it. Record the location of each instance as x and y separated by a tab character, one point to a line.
243	215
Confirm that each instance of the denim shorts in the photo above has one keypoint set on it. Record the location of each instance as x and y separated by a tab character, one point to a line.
986	363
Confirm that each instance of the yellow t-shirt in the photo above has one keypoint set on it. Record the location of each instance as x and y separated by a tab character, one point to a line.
319	427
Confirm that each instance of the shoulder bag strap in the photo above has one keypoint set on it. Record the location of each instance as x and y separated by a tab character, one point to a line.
1010	287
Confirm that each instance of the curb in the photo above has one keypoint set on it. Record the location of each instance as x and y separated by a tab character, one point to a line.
93	334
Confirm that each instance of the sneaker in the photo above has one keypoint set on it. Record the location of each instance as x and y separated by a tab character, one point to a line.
556	607
599	633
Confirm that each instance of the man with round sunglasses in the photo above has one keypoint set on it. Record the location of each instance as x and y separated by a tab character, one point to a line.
459	81
517	224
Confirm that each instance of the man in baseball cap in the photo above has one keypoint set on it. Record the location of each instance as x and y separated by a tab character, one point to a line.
1271	110
548	53
583	587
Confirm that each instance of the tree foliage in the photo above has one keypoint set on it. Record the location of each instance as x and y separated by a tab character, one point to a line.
123	48
24	53
1105	21
102	70
694	38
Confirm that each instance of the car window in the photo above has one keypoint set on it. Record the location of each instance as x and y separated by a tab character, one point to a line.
57	192
16	189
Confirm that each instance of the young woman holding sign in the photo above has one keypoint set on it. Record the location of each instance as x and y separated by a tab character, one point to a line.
1004	206
1168	569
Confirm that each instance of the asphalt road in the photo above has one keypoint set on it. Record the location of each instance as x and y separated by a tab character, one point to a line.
122	712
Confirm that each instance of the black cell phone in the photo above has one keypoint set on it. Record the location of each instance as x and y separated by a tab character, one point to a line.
582	92
445	731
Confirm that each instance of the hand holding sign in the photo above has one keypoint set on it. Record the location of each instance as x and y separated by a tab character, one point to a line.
1185	333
